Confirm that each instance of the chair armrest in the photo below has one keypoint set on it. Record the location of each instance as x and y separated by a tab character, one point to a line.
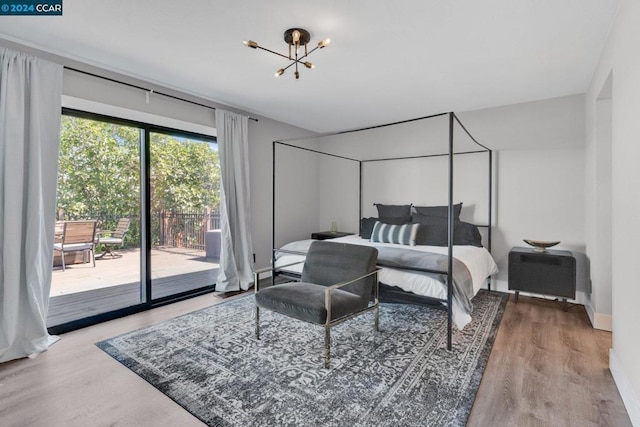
257	273
327	292
102	233
262	270
339	285
286	251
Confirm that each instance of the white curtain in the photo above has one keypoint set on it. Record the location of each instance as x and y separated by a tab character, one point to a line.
30	102
236	254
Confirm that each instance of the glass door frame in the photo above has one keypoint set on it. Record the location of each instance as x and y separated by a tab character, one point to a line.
147	220
146	296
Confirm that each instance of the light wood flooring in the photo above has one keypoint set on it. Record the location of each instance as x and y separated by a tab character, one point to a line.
548	368
114	283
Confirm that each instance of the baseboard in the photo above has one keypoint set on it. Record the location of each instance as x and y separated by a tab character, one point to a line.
603	322
624	387
590	313
600	321
582	297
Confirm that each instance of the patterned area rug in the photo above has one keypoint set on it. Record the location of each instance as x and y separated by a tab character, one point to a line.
210	363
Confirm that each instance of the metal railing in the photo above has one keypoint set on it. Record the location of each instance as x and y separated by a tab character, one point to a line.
177	229
185	229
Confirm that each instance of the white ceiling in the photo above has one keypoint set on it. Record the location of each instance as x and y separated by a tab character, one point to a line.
388	60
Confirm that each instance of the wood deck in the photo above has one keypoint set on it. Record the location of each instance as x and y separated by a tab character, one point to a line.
82	290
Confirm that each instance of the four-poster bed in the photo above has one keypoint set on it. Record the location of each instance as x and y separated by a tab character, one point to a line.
424	262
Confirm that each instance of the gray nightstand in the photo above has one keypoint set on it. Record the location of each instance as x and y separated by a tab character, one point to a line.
551	272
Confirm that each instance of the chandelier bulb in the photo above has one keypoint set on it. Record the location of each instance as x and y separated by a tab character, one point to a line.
309	65
324	43
250	43
297	74
280	72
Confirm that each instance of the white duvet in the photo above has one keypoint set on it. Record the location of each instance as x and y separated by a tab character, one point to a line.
478	260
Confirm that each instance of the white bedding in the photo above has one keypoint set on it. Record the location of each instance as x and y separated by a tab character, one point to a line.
478	260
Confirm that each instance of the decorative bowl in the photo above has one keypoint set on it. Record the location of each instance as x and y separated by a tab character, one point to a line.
540	245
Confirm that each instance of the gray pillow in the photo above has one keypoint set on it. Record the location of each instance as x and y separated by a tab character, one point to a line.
440	211
434	232
393	211
366	227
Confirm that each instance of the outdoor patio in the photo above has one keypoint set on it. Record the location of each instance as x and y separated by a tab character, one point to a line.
82	290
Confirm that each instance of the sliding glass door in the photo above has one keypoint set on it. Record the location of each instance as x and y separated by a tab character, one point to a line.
153	195
185	199
98	181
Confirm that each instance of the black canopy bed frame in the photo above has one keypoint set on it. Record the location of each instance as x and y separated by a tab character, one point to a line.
388	293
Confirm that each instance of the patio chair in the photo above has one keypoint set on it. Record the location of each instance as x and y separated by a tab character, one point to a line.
114	238
77	236
336	285
58	231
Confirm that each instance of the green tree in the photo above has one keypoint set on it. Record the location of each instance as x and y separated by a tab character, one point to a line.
185	175
99	168
99	173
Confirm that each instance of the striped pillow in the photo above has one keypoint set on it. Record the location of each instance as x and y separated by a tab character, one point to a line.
403	234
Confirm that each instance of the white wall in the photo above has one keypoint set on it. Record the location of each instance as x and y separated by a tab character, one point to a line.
540	195
83	86
337	194
539	169
620	59
598	207
423	182
296	180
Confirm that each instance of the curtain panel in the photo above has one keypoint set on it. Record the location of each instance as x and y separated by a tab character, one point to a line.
236	265
30	109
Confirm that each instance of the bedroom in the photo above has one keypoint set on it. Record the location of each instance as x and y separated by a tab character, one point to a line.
547	161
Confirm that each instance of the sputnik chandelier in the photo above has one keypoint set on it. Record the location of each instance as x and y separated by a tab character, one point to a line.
295	38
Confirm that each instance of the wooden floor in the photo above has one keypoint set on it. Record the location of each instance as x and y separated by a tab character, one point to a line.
125	268
548	368
114	283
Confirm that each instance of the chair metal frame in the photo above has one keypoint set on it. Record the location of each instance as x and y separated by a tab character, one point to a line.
329	323
113	239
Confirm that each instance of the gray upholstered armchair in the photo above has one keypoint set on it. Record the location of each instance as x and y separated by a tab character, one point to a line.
337	282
